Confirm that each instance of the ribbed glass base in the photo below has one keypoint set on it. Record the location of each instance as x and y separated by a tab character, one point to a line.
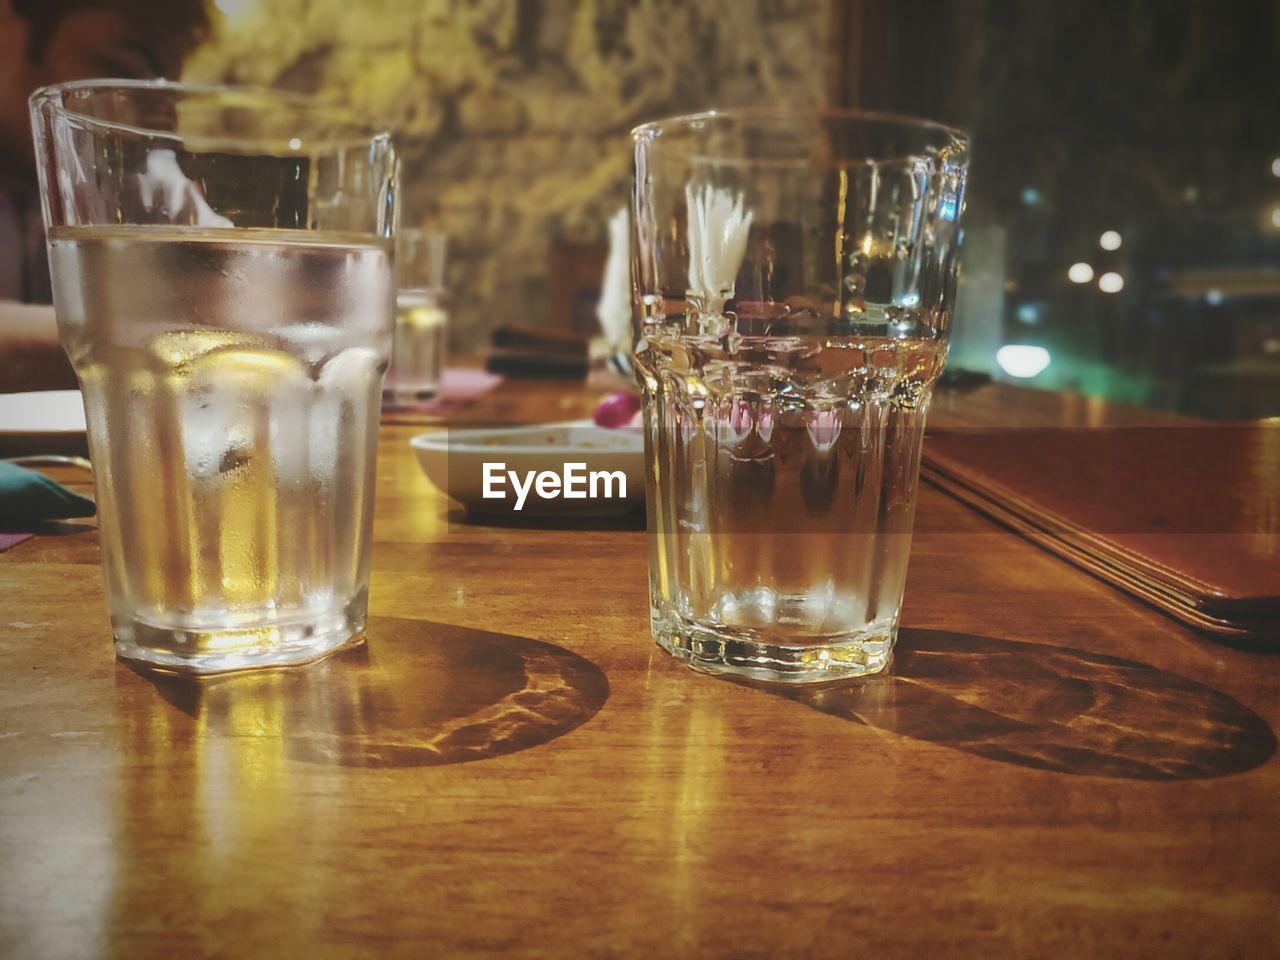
866	652
205	650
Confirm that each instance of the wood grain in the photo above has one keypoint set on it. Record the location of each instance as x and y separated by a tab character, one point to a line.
510	767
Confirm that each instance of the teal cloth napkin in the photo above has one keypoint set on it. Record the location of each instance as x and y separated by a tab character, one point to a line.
28	499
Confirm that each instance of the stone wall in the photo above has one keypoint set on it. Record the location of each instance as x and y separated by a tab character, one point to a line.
512	115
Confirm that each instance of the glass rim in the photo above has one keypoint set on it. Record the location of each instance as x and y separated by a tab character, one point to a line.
955	138
362	132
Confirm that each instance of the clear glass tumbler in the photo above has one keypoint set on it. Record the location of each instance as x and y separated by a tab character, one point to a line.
422	318
794	278
222	272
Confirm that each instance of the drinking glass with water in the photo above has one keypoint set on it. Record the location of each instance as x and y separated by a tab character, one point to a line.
222	270
422	318
795	275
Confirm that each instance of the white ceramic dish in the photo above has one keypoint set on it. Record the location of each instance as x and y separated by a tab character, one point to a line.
454	461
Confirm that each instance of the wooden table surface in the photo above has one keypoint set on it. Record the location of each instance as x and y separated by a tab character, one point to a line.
511	767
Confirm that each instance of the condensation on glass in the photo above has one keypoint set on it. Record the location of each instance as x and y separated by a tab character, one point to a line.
222	269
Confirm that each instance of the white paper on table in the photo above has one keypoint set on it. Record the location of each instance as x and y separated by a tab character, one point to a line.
614	309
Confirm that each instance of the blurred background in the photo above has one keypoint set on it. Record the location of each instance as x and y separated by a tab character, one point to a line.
1123	224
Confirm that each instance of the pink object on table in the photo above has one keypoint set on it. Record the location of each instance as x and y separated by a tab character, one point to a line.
458	387
8	540
465	383
619	409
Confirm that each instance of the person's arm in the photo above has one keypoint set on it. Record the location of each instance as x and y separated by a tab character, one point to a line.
30	356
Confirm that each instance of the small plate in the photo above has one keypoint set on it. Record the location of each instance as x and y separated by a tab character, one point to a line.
454	461
50	421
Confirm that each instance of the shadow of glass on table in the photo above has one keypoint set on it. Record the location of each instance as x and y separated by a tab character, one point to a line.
1052	708
415	694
